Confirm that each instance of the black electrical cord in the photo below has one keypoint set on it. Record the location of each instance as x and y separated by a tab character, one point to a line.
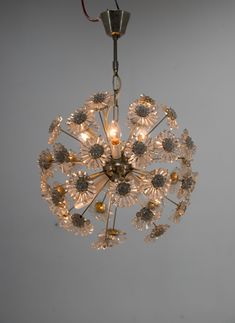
117	5
92	19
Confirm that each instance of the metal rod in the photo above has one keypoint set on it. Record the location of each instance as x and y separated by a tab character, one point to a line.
156	125
115	55
107	221
129	137
171	201
69	134
95	175
115	216
105	132
104	198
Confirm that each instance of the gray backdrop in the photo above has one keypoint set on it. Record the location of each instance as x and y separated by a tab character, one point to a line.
182	53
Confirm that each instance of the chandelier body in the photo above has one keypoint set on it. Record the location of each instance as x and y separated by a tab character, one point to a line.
147	169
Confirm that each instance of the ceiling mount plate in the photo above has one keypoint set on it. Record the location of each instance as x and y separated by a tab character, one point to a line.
115	22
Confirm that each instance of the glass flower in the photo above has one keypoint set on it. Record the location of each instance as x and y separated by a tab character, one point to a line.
45	187
143	113
156	184
57	201
54	130
99	101
179	212
124	193
167	147
188	147
95	154
147	99
140	153
145	217
45	162
77	224
81	188
171	117
109	239
81	120
156	232
188	182
65	159
61	154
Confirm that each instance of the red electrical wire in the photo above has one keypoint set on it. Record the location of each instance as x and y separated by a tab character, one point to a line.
86	13
91	18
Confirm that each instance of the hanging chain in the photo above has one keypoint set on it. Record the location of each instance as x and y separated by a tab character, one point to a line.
116	77
116	80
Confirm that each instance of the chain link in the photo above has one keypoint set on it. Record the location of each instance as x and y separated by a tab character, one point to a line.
116	90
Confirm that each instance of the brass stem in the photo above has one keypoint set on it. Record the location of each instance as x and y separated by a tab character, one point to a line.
96	175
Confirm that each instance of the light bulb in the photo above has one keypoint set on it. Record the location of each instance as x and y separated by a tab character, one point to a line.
84	136
141	133
114	133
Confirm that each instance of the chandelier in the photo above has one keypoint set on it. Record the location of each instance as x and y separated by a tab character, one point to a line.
150	169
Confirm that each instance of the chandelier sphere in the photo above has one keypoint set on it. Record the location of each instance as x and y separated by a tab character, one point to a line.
149	169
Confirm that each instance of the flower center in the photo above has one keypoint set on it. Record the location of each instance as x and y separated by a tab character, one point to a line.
181	208
142	111
168	145
189	142
139	148
99	98
61	154
96	151
53	125
57	197
145	214
123	188
187	183
79	117
158	231
82	184
78	220
45	160
171	113
158	181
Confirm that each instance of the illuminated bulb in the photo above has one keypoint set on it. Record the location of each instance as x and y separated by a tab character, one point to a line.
114	133
84	136
141	134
